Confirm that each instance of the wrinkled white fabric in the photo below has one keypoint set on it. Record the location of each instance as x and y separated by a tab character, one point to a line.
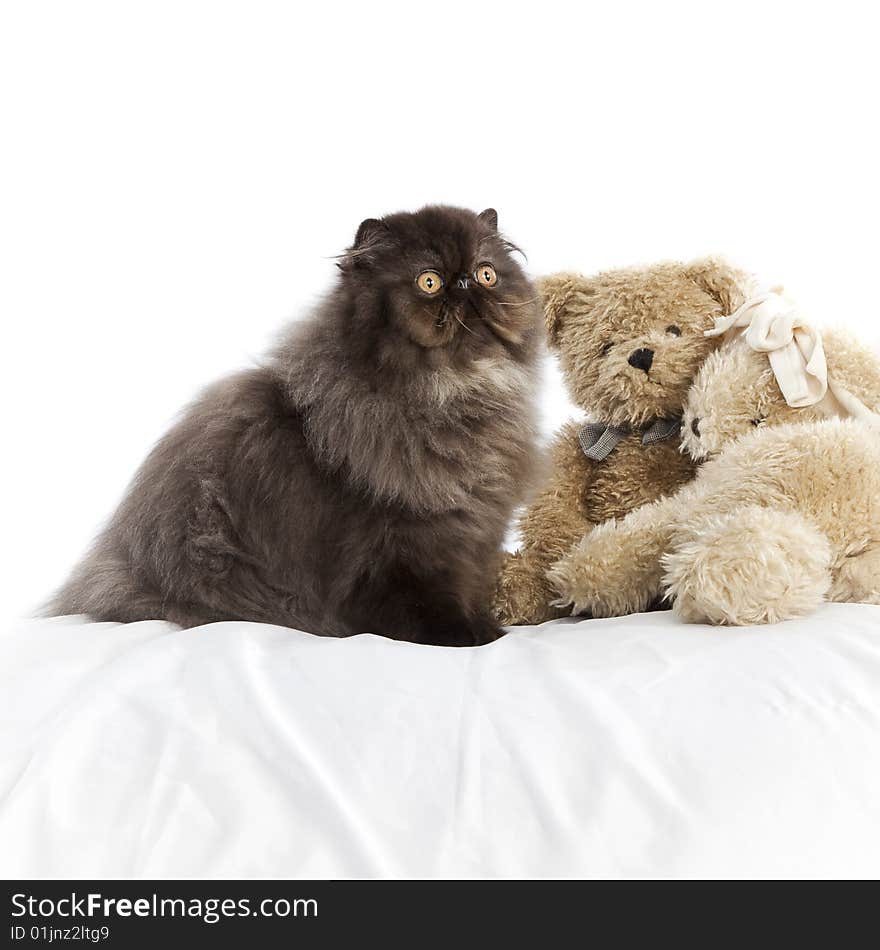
635	747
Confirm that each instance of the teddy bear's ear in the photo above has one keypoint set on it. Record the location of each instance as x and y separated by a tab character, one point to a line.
727	284
560	292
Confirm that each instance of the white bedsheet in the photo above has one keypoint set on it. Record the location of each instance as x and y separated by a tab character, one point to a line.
635	747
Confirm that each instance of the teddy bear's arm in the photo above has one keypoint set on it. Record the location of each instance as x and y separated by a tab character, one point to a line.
554	520
616	568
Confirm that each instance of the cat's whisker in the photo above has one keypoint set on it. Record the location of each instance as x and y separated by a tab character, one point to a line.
510	246
466	327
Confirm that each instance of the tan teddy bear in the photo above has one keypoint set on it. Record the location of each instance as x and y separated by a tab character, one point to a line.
785	511
629	342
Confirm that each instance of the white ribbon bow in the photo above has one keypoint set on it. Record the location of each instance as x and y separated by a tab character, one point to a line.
774	326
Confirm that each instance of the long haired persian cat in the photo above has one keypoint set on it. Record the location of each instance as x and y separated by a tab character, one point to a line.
361	478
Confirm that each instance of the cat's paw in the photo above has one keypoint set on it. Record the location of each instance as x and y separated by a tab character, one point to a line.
597	577
522	595
461	632
486	630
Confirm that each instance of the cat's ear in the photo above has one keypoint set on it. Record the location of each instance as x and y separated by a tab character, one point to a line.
489	217
369	237
370	232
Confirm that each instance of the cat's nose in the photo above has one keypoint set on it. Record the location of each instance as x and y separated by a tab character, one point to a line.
463	281
695	427
641	359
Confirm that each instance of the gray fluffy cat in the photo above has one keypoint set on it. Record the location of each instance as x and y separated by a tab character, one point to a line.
362	477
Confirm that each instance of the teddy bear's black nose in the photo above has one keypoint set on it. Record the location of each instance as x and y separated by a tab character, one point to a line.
641	359
695	427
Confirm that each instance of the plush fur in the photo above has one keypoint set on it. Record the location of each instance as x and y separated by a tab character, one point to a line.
783	515
595	325
362	478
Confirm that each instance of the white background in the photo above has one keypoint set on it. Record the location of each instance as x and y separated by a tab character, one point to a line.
174	178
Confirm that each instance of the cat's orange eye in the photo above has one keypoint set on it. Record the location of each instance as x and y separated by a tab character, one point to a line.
486	275
429	282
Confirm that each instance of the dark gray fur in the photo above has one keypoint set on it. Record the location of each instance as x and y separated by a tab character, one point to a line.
359	479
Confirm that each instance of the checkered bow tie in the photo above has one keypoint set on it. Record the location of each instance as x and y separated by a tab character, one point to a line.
598	441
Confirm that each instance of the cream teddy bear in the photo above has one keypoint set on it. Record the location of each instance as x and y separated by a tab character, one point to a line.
785	510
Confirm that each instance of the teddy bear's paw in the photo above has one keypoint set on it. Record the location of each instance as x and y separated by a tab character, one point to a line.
753	565
522	595
600	576
857	579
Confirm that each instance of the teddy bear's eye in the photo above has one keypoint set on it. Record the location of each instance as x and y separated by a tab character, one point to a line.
606	348
673	329
759	421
